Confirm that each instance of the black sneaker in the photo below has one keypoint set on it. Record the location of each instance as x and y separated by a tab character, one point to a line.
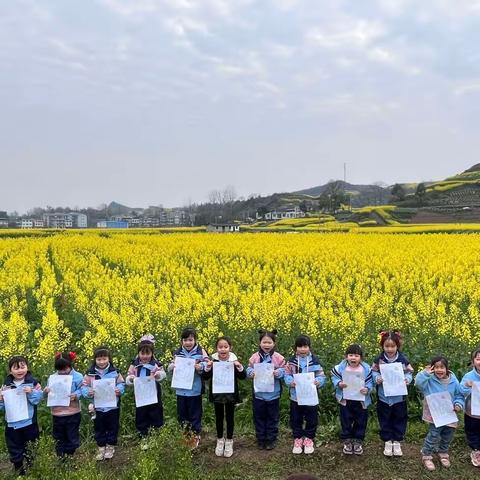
270	444
261	444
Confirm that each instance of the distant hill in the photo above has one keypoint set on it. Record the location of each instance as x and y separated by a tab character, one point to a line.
115	208
361	195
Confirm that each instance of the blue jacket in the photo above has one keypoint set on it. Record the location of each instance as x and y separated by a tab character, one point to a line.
472	376
33	399
95	374
407	370
201	356
337	376
139	369
297	364
278	364
428	383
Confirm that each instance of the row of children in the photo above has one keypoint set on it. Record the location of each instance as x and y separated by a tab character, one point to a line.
391	410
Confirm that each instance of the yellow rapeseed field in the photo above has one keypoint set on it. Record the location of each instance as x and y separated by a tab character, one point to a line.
77	291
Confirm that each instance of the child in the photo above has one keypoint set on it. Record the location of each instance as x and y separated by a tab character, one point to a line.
437	378
472	422
189	401
144	365
266	405
66	420
392	411
107	420
353	413
224	403
303	362
19	434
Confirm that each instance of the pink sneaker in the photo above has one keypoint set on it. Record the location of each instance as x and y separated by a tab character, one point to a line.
308	446
297	446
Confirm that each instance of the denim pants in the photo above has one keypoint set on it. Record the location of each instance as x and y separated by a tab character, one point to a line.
438	439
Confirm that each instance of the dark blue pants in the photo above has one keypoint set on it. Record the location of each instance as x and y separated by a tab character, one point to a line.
66	432
300	414
353	419
106	426
266	415
17	440
189	412
149	416
472	431
392	420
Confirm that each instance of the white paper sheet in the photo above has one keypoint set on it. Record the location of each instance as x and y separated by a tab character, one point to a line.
16	406
183	373
223	377
475	399
441	408
305	388
354	381
393	379
60	390
263	381
145	389
104	393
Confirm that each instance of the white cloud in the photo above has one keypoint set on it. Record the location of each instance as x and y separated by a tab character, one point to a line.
467	88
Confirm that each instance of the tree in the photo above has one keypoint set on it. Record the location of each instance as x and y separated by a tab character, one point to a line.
262	210
398	192
303	206
333	196
420	192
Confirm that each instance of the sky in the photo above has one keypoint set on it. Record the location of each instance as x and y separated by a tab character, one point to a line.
150	102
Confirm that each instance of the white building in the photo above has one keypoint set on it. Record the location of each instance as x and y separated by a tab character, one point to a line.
26	223
65	220
283	212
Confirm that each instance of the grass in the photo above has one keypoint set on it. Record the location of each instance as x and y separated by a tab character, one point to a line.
168	458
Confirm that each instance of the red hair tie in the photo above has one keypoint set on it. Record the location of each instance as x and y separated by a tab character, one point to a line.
58	355
72	356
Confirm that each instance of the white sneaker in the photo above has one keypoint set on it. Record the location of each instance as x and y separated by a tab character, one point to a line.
297	446
397	449
228	451
100	454
109	451
220	446
388	450
308	447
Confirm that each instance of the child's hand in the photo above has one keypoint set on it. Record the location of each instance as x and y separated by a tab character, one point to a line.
293	384
428	369
406	382
238	365
46	390
364	390
198	366
117	392
73	397
379	380
91	392
469	383
342	385
28	390
457	408
276	373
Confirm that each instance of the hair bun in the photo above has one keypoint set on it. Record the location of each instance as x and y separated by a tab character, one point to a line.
275	331
261	330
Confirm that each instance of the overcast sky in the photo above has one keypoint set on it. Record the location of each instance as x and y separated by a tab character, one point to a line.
151	102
